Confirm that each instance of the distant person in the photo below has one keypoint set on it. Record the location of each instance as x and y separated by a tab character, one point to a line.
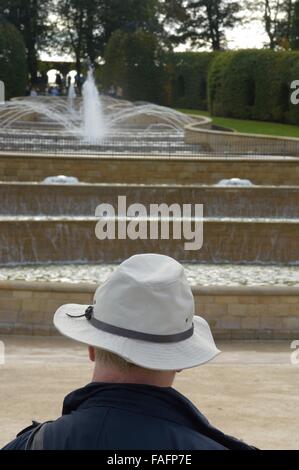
45	79
54	91
140	331
79	80
112	91
33	93
119	92
58	80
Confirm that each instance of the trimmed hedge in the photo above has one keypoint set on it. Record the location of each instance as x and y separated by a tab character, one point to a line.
13	68
135	62
187	79
254	84
244	84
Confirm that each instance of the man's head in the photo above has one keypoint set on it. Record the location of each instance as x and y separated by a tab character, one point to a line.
144	314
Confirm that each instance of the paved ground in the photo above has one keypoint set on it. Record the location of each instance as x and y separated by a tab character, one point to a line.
250	391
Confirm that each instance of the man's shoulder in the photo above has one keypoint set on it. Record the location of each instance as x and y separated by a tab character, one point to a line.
111	427
143	430
21	440
125	417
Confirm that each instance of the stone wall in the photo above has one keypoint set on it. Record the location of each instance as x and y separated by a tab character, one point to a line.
149	170
237	142
251	312
233	312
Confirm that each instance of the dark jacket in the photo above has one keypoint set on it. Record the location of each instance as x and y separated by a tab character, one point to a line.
126	416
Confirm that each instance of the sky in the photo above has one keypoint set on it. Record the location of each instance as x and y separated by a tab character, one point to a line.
250	36
242	37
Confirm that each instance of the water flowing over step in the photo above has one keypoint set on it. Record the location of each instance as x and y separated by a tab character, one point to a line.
59	240
280	202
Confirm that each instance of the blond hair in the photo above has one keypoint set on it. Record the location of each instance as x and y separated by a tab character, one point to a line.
111	359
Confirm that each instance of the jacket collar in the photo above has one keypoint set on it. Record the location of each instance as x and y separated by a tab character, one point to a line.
161	402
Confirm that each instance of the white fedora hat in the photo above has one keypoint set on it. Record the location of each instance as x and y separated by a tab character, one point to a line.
144	312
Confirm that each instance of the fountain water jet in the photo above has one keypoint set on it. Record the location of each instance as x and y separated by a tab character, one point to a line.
61	179
71	97
94	127
234	182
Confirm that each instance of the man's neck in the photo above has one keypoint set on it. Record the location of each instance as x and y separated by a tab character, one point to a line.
146	377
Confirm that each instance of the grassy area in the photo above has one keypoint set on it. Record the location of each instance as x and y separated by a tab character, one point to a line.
251	127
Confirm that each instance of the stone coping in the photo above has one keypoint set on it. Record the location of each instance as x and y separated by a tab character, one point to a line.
198	157
198	290
83	219
195	127
200	120
82	184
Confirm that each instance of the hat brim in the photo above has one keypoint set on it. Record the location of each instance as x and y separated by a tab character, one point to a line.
194	351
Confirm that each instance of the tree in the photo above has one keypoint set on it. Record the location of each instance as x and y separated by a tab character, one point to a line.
282	23
206	21
93	32
130	16
80	29
134	61
294	27
30	17
87	25
13	67
276	16
70	37
290	12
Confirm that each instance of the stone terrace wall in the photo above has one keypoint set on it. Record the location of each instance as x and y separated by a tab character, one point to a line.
238	142
233	312
149	170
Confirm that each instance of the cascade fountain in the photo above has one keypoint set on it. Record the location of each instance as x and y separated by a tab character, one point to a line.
47	222
246	217
84	125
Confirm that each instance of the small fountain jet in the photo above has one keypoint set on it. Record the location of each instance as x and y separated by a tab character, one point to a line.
94	127
71	97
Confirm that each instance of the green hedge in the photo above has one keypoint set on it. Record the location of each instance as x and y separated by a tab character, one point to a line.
13	68
254	84
187	79
245	84
135	62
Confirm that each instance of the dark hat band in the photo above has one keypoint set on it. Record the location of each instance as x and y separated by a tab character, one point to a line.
116	330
